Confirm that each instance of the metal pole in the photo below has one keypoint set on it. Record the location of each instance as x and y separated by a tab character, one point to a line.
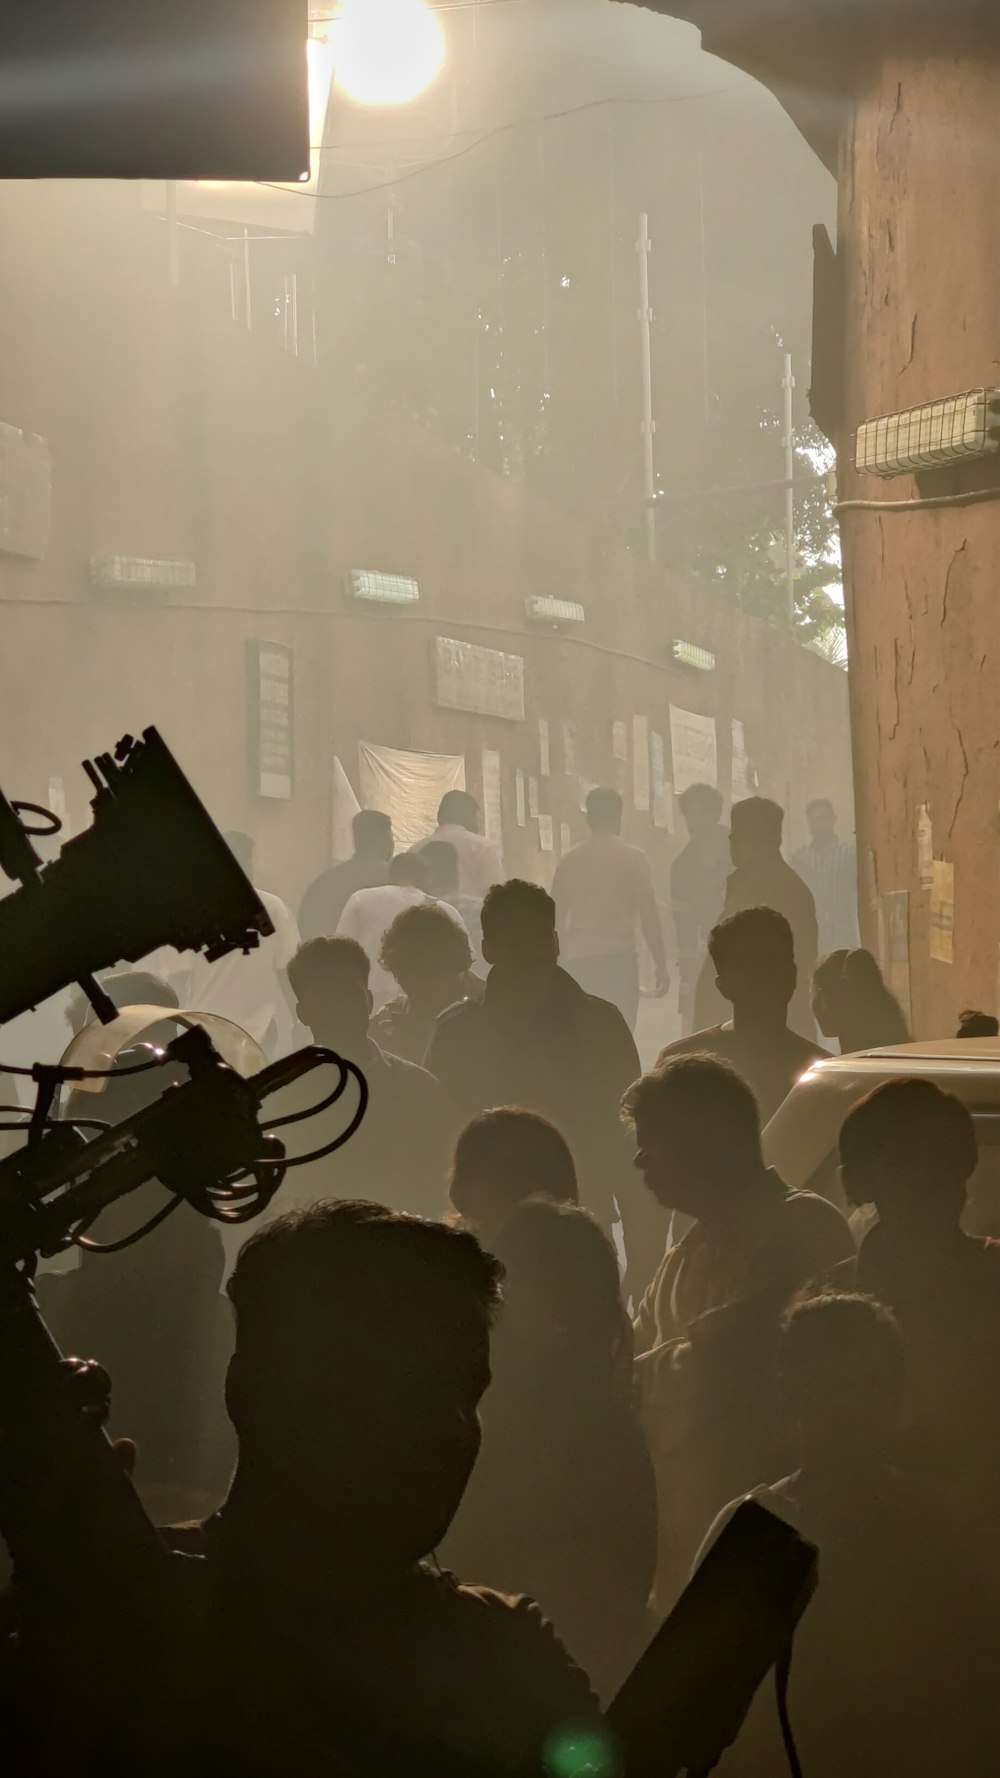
643	247
246	279
788	384
173	237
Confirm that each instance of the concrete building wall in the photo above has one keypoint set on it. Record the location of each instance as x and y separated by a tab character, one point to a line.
919	259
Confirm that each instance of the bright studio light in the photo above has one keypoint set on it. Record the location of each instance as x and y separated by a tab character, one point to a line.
386	51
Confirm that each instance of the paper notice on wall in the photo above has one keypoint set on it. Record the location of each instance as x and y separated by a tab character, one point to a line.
897	947
925	848
545	832
942	911
520	796
492	799
619	740
661	799
565	836
407	787
640	762
694	749
740	776
533	798
543	747
569	750
344	806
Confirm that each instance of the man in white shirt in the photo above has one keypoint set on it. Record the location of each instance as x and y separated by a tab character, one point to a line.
249	988
370	913
603	891
479	862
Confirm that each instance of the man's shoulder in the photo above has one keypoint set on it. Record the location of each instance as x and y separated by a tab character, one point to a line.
709	1042
409	1077
815	1218
509	1636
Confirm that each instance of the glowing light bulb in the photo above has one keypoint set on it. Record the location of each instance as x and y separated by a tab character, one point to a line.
385	52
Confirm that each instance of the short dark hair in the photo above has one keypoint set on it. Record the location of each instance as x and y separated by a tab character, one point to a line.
740	938
604	807
839	1344
241	847
441	859
519	1151
698	1086
426	941
913	1127
978	1024
760	818
410	870
820	802
314	1274
701	795
517	908
458	808
328	963
371	829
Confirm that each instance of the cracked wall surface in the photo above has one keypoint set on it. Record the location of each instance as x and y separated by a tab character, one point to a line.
919	251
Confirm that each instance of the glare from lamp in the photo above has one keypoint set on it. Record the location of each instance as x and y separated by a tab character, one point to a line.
386	52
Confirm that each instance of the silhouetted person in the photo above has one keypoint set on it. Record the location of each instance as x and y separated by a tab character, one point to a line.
894	1662
441	859
697	886
249	988
910	1150
755	971
829	865
153	1316
428	953
562	1504
328	895
604	896
399	1155
978	1024
762	879
479	862
362	1352
851	1002
705	1329
370	913
502	1158
537	1040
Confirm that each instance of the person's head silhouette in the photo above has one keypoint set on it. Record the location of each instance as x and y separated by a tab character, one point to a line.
242	848
821	817
851	1002
408	870
329	978
441	860
519	931
429	954
754	957
458	808
697	1128
372	835
755	827
978	1024
604	810
503	1157
362	1352
842	1375
701	806
910	1149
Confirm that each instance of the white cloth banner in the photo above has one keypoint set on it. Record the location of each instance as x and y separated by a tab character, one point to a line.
344	806
694	749
407	787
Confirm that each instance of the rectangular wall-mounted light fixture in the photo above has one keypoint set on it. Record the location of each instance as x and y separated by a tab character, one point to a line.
939	432
689	654
137	574
382	589
541	610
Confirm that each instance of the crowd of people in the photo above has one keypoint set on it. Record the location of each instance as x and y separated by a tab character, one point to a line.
501	1368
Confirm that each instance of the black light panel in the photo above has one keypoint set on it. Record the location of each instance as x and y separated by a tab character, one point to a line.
153	89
